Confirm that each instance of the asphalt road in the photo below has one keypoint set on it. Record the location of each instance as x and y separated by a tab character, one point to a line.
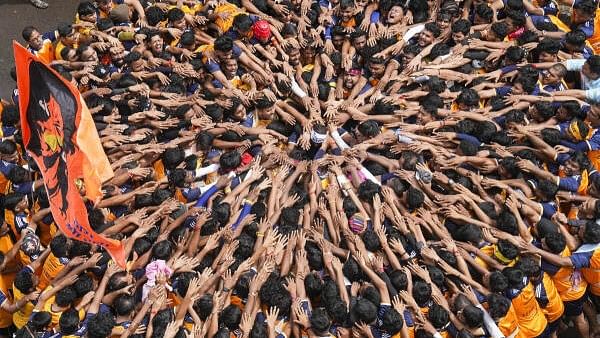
16	14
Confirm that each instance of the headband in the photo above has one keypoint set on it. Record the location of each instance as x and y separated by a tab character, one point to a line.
317	137
574	130
500	257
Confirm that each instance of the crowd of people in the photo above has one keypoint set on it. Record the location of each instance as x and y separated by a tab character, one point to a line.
332	168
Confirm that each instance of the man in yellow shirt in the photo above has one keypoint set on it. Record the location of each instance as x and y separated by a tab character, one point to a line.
68	37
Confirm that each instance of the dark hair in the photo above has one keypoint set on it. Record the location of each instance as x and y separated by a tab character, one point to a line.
433	28
223	43
500	29
414	198
461	26
69	322
485	12
64	30
319	320
556	242
594	62
468	97
498	305
100	325
66	296
175	14
124	305
438	316
162	250
364	311
230	160
473	316
24	281
27	32
498	282
421	292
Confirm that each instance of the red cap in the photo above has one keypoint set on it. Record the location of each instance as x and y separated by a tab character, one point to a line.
262	30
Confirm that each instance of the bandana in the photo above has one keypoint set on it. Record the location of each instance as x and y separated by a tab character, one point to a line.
355	72
501	258
246	158
261	30
574	130
357	224
31	244
317	137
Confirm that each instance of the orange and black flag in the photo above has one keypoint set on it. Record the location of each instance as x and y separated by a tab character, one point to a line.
59	134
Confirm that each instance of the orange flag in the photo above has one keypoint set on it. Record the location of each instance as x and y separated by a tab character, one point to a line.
59	134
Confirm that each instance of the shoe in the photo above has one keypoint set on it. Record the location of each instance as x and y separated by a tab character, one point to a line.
39	3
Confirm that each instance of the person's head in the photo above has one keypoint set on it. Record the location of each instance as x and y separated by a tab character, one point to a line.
515	19
223	47
117	55
155	43
8	151
471	316
483	14
421	292
69	322
540	111
124	305
548	50
367	130
188	41
467	99
87	53
583	11
118	281
39	321
497	32
376	66
33	37
346	10
395	14
176	18
577	131
364	311
87	12
230	67
359	40
351	77
591	68
498	306
505	252
438	316
68	35
554	242
319	321
230	161
100	325
25	281
265	109
65	297
68	54
460	30
575	41
554	74
429	34
135	61
261	30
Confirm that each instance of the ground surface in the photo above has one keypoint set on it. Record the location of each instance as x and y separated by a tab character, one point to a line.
16	14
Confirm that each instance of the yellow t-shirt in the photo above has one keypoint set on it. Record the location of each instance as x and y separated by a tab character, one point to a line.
52	266
232	10
21	317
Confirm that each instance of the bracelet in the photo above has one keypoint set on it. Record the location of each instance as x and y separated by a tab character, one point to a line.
260	234
225	289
